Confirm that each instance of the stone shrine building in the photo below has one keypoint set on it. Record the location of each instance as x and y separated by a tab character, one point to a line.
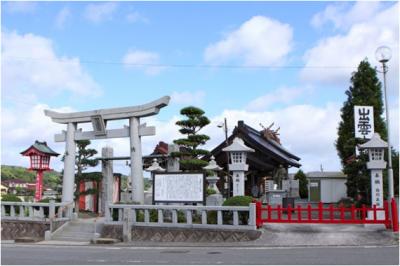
263	164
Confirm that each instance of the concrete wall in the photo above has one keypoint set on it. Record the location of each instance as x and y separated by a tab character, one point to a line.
12	229
163	234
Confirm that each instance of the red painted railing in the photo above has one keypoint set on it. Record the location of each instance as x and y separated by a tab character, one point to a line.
327	215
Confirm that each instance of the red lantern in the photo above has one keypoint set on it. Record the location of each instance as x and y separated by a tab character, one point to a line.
39	154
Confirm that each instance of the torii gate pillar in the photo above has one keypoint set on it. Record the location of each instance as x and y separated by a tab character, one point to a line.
99	119
69	164
136	161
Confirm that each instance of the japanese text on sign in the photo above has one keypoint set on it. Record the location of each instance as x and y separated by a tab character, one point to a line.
180	187
364	121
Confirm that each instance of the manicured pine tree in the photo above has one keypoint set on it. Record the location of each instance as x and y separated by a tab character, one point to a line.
190	154
365	89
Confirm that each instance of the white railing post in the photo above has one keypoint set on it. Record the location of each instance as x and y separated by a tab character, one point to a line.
160	217
219	217
189	217
252	214
174	217
21	211
203	217
12	211
146	216
3	211
235	218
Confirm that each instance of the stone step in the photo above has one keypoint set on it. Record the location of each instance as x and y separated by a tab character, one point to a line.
75	239
72	234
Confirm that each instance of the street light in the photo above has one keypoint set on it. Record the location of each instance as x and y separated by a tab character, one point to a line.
224	126
383	55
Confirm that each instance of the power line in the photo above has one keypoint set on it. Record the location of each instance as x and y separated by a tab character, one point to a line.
95	62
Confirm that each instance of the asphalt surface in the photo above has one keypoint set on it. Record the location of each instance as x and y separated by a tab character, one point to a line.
12	254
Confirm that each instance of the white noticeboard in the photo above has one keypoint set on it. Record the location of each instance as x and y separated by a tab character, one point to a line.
178	187
364	121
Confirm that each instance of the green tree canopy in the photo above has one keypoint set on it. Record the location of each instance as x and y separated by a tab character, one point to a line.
365	89
190	154
303	188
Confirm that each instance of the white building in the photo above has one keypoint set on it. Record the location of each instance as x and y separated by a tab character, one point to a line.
326	187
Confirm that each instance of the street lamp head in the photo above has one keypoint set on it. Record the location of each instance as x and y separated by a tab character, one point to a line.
383	54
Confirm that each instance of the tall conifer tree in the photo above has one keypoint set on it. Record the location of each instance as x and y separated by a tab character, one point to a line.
365	89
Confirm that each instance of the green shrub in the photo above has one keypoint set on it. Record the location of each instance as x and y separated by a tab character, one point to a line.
237	201
346	202
210	191
10	198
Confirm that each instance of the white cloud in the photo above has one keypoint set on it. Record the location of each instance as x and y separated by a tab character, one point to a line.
23	7
62	17
143	60
97	13
283	95
348	49
188	97
258	41
342	16
31	66
135	16
22	126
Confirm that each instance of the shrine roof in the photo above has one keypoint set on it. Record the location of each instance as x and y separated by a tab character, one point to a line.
266	146
41	147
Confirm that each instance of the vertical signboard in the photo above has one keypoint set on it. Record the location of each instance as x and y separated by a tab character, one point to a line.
364	121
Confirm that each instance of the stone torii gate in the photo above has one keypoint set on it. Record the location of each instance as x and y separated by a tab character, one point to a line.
99	119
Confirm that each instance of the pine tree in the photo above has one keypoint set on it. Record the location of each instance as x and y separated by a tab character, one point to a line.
303	188
83	160
365	89
189	154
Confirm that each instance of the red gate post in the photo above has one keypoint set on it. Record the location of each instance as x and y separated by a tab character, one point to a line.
395	218
320	211
269	217
259	222
387	218
289	212
331	212
363	212
341	212
353	209
298	212
374	212
309	212
279	213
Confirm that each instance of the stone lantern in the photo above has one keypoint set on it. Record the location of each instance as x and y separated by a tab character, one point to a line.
237	154
155	167
214	199
376	147
214	168
39	154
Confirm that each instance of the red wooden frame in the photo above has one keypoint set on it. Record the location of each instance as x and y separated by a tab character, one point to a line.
357	215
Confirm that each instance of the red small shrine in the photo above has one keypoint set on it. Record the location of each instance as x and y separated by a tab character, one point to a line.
39	154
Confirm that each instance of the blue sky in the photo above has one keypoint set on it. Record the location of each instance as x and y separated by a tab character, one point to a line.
263	62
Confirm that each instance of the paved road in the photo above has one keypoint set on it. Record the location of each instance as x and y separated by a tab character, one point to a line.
56	254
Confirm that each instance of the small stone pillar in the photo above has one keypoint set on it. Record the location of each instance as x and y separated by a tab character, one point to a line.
107	183
173	163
